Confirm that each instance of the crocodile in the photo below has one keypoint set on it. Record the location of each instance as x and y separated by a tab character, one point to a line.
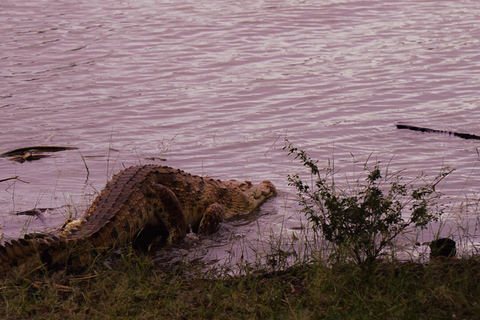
150	201
467	136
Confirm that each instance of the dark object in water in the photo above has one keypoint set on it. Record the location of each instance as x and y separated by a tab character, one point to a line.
36	149
39	213
28	157
33	212
32	153
442	247
450	133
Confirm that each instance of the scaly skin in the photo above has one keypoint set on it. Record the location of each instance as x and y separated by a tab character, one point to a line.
152	200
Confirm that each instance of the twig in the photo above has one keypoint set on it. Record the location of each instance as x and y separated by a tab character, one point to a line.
273	144
441	178
13	178
85	164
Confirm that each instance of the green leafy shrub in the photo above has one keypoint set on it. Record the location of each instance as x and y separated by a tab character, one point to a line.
364	219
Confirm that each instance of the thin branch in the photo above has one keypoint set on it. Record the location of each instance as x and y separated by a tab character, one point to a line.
13	178
85	164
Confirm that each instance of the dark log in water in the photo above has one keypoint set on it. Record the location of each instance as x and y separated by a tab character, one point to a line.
35	149
450	133
33	153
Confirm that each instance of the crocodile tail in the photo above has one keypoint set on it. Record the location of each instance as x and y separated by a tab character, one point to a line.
16	253
23	253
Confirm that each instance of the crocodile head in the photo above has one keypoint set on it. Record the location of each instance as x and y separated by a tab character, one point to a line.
250	196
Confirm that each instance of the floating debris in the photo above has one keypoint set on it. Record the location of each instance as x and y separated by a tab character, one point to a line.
155	159
33	212
33	153
28	157
36	212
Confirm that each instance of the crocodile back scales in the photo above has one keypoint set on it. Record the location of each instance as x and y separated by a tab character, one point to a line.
119	213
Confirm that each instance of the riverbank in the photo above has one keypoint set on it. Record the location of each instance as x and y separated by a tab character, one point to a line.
133	287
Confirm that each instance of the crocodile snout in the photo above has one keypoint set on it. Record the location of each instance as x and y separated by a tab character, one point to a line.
265	190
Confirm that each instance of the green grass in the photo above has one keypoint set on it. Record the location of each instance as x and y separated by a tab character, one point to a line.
134	288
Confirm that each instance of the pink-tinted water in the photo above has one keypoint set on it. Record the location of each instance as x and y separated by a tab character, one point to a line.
215	87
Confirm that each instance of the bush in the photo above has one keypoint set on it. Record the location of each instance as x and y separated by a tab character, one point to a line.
365	219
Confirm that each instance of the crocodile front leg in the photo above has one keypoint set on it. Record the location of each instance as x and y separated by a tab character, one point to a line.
212	217
167	212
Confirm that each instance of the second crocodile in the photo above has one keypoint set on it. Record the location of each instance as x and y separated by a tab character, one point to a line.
141	200
467	136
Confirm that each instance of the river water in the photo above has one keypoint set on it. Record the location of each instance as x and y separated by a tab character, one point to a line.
215	88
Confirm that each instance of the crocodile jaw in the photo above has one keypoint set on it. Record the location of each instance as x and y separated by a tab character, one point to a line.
259	193
252	195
